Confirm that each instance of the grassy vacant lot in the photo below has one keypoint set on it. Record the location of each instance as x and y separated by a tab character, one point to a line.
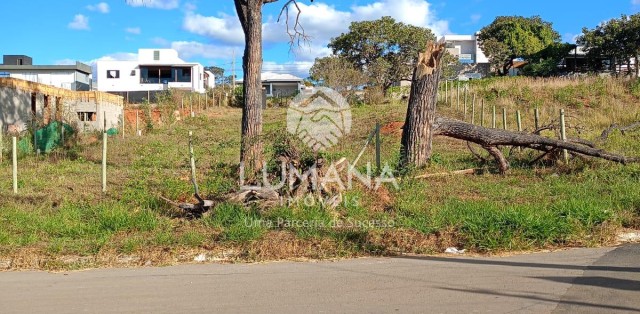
60	218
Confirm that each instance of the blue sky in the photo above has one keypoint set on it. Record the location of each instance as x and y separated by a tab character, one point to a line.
207	31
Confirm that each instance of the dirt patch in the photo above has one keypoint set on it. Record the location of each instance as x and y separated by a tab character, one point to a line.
393	128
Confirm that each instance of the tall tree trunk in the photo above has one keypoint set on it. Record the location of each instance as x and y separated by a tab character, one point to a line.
250	15
417	133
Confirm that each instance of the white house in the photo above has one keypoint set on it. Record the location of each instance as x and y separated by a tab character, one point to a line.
467	49
74	77
155	70
279	84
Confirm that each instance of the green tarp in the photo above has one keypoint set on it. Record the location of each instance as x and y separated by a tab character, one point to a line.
47	138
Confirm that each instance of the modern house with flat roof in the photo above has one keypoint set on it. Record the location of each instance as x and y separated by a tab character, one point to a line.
281	85
155	70
75	77
466	48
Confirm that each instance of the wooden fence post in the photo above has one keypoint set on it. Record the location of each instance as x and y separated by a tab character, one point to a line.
473	109
563	134
446	91
458	96
193	114
493	120
104	161
519	121
137	122
378	166
14	153
536	115
482	109
466	91
504	118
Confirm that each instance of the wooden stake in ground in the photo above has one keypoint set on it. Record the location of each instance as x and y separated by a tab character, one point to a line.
493	121
473	109
458	96
563	134
482	114
14	153
416	143
504	118
104	157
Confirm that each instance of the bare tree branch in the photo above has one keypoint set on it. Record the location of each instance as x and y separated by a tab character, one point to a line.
296	34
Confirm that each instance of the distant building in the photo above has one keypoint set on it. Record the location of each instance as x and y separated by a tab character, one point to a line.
279	85
155	70
73	77
466	48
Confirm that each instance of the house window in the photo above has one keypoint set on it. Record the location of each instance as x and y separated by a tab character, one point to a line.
113	74
133	72
20	61
156	55
87	116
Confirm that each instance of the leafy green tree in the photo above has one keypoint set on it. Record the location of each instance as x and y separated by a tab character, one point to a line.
510	37
218	72
616	39
451	66
545	62
337	73
384	50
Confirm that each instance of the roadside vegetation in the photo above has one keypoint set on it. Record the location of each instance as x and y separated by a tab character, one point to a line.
61	220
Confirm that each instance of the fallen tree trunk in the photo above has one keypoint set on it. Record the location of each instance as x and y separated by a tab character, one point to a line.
489	139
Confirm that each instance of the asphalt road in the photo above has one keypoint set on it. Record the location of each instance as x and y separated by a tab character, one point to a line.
573	281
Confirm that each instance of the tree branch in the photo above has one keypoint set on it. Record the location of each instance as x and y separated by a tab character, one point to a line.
297	33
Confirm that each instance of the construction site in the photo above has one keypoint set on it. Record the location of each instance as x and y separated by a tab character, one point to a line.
25	104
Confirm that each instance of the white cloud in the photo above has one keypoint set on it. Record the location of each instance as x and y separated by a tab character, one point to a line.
191	49
190	7
80	22
155	4
133	30
414	12
101	7
297	68
225	28
321	22
635	2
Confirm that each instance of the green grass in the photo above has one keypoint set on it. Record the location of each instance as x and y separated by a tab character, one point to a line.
61	211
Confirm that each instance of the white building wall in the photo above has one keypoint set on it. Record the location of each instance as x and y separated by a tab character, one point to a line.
56	79
126	82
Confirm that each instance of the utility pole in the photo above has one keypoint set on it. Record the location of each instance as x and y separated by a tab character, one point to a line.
233	71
